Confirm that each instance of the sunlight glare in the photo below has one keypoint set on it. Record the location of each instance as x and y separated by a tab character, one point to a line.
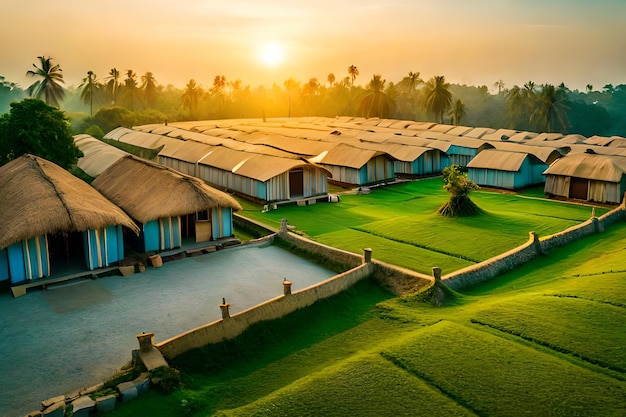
271	54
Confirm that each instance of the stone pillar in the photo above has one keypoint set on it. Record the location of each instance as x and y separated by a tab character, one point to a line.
283	226
286	287
367	255
598	226
437	273
536	244
225	307
145	341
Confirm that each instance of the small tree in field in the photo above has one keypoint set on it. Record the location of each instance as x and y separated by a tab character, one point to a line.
459	186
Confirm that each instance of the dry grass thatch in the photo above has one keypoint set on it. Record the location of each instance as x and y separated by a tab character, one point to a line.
148	191
38	197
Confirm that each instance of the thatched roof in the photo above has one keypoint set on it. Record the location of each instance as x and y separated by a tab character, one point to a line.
608	168
38	197
148	191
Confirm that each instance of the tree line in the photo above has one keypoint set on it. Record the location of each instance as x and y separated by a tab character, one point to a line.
124	98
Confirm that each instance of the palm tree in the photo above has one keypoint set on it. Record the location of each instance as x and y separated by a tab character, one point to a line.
50	84
376	103
331	79
499	85
353	71
130	88
437	96
589	88
550	114
148	84
191	97
113	85
310	90
290	84
89	86
457	112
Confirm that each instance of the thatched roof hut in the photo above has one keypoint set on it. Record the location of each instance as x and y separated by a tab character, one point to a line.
38	197
145	189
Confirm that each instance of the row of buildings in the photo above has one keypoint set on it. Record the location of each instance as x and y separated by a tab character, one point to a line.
55	223
294	159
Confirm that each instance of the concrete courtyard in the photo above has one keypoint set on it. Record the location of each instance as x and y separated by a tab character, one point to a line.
75	335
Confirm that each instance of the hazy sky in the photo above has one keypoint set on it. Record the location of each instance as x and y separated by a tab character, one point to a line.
469	41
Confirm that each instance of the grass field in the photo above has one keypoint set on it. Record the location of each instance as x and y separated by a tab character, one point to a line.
546	339
400	223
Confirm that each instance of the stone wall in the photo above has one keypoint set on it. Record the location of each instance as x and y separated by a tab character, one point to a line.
491	268
232	326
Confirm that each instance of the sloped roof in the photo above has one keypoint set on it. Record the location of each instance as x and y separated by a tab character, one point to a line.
145	189
608	168
39	197
97	155
545	154
499	160
349	156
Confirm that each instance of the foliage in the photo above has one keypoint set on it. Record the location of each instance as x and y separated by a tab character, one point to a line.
437	97
109	118
165	379
49	86
459	186
33	127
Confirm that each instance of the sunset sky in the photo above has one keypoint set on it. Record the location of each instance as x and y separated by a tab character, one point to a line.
470	42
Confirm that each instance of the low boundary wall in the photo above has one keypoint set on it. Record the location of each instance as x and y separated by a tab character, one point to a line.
396	279
489	269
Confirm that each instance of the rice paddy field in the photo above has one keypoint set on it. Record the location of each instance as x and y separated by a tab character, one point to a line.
546	339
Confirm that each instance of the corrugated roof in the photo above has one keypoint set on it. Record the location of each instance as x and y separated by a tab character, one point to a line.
97	155
499	160
349	156
544	153
609	168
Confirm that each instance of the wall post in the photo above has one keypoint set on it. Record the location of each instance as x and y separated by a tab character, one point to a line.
286	286
283	226
225	307
437	273
145	341
367	255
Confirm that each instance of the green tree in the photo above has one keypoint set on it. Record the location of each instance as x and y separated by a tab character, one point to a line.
131	91
459	186
457	112
89	87
376	103
499	85
550	114
437	96
49	86
34	127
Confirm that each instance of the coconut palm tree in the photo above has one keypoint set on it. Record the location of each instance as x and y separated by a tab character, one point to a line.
376	103
89	86
290	84
149	86
49	86
353	71
550	114
191	97
499	85
113	85
331	79
437	96
130	88
457	112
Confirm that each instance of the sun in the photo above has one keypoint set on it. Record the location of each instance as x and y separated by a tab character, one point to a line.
271	54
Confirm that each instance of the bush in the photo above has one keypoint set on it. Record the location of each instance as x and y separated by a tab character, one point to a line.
165	379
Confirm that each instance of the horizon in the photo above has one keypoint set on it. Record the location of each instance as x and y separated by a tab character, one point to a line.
473	44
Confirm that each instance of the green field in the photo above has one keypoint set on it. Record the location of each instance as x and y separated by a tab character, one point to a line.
400	223
546	339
